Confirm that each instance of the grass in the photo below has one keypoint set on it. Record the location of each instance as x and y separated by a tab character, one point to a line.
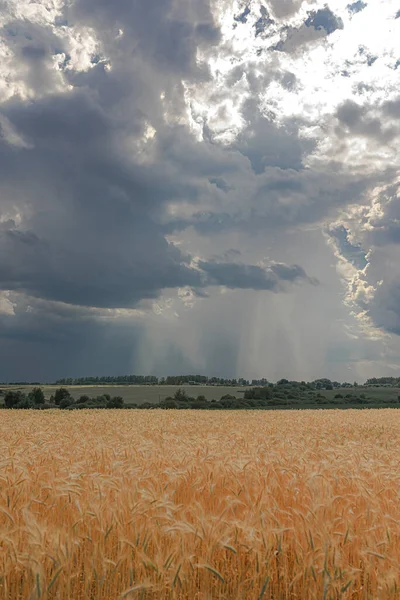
190	505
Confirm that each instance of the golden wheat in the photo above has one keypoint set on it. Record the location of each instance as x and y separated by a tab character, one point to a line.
199	505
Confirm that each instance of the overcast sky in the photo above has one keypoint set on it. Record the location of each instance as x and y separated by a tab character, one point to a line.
204	186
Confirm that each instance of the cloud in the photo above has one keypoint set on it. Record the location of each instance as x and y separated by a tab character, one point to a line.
391	108
239	276
354	118
285	8
43	347
319	24
151	155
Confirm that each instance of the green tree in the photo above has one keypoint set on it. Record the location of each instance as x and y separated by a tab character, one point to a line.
26	403
37	396
66	402
83	399
61	394
116	402
11	399
180	396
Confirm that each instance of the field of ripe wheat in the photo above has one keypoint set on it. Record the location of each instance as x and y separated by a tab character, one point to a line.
199	506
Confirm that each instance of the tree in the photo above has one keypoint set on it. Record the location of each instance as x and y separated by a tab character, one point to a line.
180	396
61	394
83	399
116	402
37	396
66	402
26	403
11	399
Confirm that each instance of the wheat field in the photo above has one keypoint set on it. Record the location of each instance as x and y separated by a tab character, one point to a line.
196	505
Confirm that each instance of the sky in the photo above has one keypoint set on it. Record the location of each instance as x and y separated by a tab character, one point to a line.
199	186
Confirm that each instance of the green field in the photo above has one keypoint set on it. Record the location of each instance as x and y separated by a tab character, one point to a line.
137	394
376	394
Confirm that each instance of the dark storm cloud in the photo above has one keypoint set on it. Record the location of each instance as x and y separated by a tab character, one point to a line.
267	145
166	33
44	347
239	276
89	274
87	198
356	7
89	277
280	198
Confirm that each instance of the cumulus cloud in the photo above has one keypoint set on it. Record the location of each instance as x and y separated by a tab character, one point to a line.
319	24
355	119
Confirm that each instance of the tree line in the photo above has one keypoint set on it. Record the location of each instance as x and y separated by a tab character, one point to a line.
178	380
280	395
62	398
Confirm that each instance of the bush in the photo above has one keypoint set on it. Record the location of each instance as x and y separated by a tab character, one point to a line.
37	396
66	402
11	399
100	401
116	402
61	394
83	399
25	403
199	404
168	403
180	396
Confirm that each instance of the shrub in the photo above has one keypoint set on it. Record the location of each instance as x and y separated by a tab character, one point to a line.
66	402
180	396
116	402
60	395
25	403
83	399
37	396
168	403
11	399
